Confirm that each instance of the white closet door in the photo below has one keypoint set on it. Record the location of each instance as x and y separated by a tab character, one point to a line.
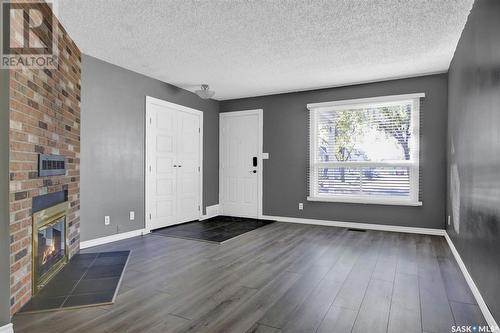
162	158
173	145
188	166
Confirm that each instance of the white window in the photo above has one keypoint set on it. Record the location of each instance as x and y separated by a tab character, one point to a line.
365	150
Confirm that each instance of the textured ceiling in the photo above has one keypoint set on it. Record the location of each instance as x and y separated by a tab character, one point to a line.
249	48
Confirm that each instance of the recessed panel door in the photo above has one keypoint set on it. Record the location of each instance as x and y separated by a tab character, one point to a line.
174	165
162	152
188	166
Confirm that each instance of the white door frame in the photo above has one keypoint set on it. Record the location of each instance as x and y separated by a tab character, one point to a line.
150	100
260	168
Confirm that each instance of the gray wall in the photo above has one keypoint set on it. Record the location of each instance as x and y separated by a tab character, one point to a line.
112	143
474	149
4	200
286	140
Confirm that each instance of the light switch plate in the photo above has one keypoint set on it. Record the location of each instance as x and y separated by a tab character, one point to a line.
265	156
107	220
132	215
301	206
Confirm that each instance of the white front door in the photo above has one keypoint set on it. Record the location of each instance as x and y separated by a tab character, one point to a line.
173	164
241	163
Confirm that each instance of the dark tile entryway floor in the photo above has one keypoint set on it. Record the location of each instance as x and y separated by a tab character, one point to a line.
88	279
216	229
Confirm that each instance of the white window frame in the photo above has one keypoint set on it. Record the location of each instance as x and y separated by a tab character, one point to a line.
414	164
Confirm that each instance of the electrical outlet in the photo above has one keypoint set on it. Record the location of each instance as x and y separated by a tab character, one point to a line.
107	220
301	206
132	215
449	220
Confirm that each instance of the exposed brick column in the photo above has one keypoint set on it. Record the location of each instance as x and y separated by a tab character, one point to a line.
44	118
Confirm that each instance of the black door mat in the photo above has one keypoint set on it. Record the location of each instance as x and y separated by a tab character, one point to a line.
216	229
88	279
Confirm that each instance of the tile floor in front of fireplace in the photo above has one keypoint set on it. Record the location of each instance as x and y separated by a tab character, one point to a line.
88	279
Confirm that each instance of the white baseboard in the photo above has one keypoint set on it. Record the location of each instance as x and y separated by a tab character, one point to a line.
7	328
112	238
475	291
368	226
211	211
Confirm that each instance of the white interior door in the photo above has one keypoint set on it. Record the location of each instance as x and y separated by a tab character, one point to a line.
241	163
173	182
188	167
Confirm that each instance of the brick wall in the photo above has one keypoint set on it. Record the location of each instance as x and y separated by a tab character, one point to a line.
44	118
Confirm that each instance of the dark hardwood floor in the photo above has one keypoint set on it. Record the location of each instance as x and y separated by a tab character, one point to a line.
279	278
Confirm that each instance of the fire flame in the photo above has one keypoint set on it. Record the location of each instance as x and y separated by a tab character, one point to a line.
47	253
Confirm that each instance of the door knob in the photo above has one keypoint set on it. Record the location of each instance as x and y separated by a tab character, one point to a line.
253	171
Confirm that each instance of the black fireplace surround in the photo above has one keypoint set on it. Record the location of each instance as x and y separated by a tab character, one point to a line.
47	200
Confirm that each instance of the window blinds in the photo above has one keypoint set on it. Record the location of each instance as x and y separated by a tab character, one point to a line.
365	150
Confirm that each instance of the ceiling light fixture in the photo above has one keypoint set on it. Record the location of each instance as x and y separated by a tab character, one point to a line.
205	92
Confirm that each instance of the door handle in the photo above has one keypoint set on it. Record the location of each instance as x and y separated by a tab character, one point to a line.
254	161
253	171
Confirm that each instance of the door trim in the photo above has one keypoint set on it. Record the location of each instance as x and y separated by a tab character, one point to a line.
259	113
150	100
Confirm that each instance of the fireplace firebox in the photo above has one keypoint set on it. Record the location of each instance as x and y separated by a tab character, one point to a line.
50	248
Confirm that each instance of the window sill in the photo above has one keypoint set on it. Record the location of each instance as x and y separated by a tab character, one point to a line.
367	201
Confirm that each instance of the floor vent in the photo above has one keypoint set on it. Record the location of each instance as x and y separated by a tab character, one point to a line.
357	230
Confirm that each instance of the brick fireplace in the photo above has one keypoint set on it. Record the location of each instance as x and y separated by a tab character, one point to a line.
44	119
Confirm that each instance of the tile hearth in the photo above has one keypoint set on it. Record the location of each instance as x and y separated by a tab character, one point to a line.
87	280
